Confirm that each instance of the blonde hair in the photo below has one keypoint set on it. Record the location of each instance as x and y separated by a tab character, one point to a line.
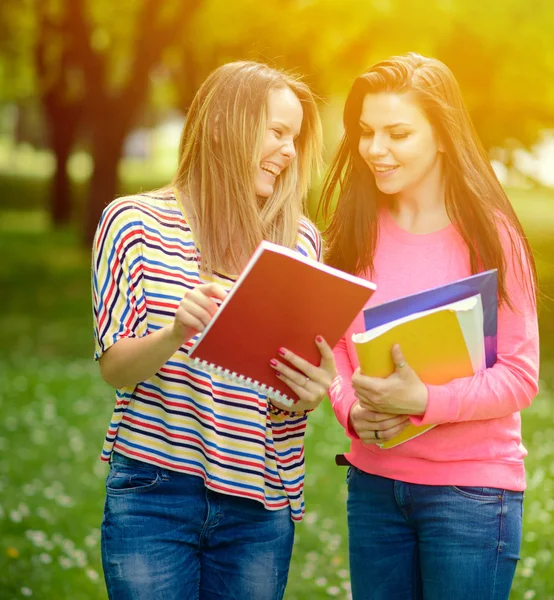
475	200
220	149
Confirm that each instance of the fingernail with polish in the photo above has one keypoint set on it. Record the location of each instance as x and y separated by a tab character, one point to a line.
281	351
273	362
319	339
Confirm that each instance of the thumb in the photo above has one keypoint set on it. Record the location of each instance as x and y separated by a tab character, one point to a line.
398	359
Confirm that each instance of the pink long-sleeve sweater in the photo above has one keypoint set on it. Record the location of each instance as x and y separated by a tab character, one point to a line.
478	440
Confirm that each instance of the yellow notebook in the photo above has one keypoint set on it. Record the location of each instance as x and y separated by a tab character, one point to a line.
440	345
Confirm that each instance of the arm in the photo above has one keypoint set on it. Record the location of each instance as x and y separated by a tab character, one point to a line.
127	354
506	388
132	360
342	393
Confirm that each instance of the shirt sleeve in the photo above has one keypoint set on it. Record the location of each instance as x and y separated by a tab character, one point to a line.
341	393
512	383
116	269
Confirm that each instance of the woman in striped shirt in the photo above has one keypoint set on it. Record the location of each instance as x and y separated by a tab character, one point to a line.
206	477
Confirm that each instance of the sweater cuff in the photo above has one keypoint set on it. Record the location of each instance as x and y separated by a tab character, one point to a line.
440	407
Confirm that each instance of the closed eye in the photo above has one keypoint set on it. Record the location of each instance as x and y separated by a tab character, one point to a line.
399	136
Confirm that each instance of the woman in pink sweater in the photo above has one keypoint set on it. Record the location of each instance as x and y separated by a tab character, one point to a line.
419	206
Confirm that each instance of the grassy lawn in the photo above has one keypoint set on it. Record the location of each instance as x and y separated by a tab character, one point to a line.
55	410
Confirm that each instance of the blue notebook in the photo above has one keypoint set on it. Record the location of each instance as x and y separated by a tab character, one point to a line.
485	283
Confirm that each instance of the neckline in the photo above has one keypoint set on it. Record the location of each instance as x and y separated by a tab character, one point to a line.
414	239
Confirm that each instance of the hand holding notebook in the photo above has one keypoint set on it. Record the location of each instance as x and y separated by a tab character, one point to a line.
281	299
444	333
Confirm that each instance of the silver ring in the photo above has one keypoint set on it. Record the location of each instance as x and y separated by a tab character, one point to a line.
306	381
402	364
376	434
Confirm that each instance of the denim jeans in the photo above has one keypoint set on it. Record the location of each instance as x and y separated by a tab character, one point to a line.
413	542
166	536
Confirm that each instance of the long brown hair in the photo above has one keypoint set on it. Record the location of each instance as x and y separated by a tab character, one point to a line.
220	148
475	200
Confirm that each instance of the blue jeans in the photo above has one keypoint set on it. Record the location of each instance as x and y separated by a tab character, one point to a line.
413	542
166	536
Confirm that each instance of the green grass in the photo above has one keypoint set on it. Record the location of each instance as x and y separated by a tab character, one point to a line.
55	410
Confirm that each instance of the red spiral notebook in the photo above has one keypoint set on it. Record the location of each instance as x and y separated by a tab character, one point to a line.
280	299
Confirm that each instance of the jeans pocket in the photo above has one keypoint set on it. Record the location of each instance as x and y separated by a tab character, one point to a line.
126	479
478	493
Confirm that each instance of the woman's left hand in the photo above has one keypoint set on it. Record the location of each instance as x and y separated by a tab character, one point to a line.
403	392
308	382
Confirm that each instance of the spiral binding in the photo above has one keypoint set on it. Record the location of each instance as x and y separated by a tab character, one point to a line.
248	382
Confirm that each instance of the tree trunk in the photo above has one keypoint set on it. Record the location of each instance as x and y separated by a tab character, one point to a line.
107	148
63	121
60	193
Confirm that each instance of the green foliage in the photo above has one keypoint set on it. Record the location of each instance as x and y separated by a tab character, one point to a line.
500	52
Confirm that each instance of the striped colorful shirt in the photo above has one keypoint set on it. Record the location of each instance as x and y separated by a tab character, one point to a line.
145	259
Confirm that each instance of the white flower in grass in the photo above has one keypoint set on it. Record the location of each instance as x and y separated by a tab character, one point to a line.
529	595
321	581
38	538
312	556
49	492
92	575
530	561
29	489
25	591
64	500
324	536
49	412
343	573
92	538
80	558
311	518
45	558
333	590
16	516
65	562
23	509
44	513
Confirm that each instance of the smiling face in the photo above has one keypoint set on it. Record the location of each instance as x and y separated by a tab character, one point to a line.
398	144
284	120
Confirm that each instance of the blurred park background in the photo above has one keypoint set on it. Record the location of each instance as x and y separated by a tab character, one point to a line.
93	95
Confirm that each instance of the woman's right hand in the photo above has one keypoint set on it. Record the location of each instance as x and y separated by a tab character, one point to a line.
375	427
196	310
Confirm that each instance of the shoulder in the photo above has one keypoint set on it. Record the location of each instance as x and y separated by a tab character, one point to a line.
153	211
309	239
